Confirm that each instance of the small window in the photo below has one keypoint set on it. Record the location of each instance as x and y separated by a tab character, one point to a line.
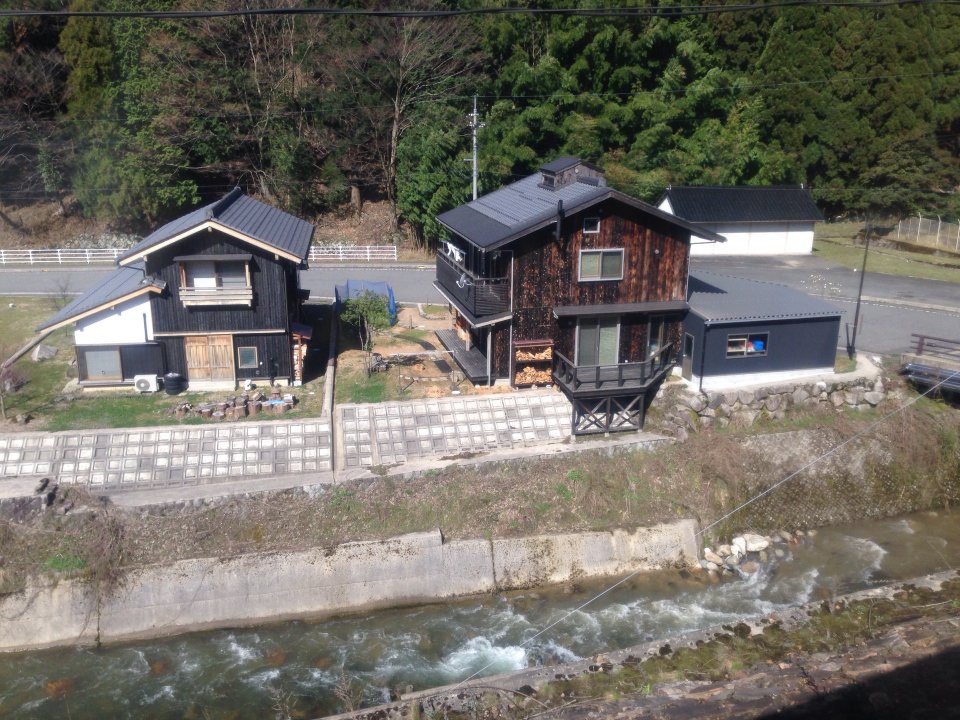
247	358
601	264
747	345
591	226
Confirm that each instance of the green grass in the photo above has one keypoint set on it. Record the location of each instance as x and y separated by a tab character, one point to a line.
65	562
844	364
837	242
355	386
434	309
41	396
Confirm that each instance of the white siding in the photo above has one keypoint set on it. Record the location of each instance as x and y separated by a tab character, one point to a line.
126	323
784	238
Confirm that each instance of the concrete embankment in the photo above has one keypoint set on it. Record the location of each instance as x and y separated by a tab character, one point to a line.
411	569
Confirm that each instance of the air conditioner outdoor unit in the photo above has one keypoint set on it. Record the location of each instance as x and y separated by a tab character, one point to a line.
145	383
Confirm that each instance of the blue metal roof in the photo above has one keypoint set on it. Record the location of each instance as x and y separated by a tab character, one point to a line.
725	299
247	216
120	283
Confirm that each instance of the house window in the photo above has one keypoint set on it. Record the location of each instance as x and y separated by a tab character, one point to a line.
747	345
591	226
601	264
209	274
247	358
655	334
598	341
101	363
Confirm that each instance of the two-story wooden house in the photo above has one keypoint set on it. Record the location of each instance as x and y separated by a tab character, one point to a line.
558	278
213	296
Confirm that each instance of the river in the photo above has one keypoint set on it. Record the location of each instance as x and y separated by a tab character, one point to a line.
248	673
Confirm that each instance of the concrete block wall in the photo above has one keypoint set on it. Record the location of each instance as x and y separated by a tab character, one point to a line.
417	568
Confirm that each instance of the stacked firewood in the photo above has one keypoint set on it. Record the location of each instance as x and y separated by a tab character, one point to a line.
530	375
528	356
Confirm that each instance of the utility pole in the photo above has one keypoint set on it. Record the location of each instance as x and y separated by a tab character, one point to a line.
852	345
475	125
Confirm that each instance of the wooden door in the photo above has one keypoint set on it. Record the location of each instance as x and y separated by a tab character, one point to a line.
209	357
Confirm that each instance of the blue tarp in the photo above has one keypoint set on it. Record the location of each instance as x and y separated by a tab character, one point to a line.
355	288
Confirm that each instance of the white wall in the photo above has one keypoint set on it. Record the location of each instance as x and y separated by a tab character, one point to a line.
783	238
757	239
122	325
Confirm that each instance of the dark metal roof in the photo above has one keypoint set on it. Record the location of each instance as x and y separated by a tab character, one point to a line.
725	299
561	163
120	283
620	308
517	209
742	204
276	228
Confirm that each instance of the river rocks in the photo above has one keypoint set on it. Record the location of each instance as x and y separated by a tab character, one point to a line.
710	555
750	567
739	545
754	542
785	536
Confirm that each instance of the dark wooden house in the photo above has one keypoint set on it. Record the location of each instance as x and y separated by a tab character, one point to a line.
213	296
558	278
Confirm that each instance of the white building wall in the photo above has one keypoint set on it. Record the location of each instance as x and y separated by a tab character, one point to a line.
127	323
784	238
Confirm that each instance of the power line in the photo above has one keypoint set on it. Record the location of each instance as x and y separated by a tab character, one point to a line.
728	515
663	11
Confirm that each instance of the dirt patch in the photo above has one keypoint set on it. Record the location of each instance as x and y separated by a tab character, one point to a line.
44	225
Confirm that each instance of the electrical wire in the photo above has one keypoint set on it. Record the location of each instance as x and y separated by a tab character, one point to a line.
740	507
660	11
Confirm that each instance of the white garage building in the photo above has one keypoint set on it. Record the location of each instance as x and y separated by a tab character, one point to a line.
755	220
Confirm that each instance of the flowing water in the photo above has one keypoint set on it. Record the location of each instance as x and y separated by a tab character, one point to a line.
249	673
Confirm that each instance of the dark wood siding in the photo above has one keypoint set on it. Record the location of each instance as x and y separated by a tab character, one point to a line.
175	358
273	352
144	359
268	277
546	274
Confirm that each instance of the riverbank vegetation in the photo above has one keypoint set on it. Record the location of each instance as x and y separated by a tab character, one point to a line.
911	462
131	120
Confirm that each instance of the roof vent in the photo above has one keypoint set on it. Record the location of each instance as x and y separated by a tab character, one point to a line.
220	205
568	170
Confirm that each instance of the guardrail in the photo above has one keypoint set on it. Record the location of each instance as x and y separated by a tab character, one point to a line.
343	253
89	256
61	256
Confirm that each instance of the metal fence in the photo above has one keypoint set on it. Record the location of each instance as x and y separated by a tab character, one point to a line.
89	256
930	232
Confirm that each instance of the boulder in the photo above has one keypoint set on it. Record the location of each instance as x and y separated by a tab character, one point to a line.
43	352
836	398
779	415
779	554
739	545
874	398
753	542
744	418
799	395
709	565
713	557
694	402
853	396
745	397
723	550
715	400
785	535
820	386
706	422
878	385
731	561
750	567
772	403
723	411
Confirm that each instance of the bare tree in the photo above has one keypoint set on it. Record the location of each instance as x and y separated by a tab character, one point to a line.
392	66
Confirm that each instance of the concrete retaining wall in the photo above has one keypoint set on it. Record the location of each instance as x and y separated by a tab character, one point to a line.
416	568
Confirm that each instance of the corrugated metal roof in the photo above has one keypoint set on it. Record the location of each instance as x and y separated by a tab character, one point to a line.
508	213
742	204
237	211
723	298
121	282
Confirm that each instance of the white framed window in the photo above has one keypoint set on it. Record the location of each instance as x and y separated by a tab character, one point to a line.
591	226
753	345
601	265
209	274
247	357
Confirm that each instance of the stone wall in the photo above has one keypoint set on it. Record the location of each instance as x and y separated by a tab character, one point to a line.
412	569
686	410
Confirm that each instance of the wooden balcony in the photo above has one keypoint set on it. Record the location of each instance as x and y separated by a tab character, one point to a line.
476	297
195	297
583	380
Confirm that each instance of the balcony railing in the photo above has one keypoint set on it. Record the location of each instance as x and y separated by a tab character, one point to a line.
191	296
479	296
623	376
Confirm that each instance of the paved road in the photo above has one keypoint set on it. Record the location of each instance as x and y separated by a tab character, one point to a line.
896	306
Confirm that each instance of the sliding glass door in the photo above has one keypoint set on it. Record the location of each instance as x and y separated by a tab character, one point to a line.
598	341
